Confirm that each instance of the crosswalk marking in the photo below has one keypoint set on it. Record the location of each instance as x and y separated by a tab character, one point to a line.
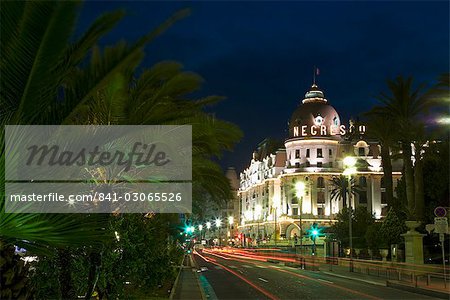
262	267
247	266
233	267
218	267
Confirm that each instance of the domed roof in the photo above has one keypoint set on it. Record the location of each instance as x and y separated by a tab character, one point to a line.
314	111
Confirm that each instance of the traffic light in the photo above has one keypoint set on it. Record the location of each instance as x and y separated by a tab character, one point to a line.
314	231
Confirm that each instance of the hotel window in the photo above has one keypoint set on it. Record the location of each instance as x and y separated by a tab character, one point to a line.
294	200
361	151
330	152
362	197
382	182
320	182
320	197
297	165
331	164
319	153
308	164
297	153
383	198
320	211
362	181
319	164
307	152
295	211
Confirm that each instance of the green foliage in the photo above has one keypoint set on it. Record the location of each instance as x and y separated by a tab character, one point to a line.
145	255
392	228
13	277
361	221
340	188
373	237
436	177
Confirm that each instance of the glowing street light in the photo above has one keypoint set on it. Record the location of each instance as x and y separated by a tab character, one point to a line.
349	161
300	189
208	225
248	215
218	222
200	227
230	220
192	229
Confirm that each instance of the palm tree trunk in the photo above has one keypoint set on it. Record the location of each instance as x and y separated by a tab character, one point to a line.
94	265
419	192
387	171
409	177
65	277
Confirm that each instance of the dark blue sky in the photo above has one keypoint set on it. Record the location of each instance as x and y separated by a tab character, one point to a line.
260	55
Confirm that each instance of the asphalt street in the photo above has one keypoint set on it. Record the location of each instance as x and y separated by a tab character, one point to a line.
226	276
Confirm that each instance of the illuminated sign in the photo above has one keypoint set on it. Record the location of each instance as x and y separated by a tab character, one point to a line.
322	130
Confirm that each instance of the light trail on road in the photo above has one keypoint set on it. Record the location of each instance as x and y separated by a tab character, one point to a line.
251	260
253	285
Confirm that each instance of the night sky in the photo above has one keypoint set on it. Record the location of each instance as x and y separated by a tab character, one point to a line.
260	55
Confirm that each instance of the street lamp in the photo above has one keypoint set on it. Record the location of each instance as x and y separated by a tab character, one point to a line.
208	225
299	192
218	223
200	228
230	225
349	164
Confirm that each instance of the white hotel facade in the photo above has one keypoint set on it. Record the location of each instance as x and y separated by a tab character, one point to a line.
313	153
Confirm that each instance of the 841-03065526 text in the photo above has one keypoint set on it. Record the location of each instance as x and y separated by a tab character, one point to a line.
100	196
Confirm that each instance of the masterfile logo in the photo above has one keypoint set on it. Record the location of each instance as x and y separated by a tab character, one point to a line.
98	169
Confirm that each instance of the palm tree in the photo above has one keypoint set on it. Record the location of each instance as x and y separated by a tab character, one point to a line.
405	105
384	131
44	81
339	189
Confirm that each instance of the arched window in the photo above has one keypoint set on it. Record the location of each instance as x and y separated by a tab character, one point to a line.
362	181
382	182
320	182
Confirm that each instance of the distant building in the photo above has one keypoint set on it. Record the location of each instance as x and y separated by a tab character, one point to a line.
313	154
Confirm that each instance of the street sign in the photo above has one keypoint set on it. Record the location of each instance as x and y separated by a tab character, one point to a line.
440	211
441	225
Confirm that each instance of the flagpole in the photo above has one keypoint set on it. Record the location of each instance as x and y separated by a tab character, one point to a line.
314	75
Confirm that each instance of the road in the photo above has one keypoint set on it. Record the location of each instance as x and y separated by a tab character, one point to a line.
230	276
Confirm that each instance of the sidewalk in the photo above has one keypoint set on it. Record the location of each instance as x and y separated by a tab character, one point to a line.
343	272
416	285
187	284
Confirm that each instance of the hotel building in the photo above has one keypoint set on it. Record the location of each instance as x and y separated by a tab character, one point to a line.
313	154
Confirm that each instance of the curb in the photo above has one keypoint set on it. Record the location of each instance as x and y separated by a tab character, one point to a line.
417	290
195	265
354	278
172	291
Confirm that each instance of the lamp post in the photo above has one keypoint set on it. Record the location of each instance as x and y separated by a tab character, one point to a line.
200	228
349	163
230	223
258	210
299	192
